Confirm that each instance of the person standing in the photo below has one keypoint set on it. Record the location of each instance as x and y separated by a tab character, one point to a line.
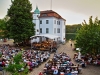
71	44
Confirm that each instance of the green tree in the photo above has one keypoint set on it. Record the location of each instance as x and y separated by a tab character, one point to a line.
20	25
88	37
72	28
71	31
17	64
3	27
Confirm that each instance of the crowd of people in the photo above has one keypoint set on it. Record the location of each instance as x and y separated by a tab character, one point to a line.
34	58
88	59
7	53
31	58
61	64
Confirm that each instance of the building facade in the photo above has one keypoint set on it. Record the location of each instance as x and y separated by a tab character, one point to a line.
49	22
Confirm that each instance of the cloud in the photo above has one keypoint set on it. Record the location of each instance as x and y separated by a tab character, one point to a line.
4	5
79	9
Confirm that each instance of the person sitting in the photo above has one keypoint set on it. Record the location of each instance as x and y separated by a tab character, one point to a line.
1	68
55	72
69	73
79	68
40	73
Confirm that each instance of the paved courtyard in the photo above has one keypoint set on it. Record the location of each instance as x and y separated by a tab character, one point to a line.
89	70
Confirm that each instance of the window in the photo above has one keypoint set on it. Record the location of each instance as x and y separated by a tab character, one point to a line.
47	30
37	30
40	21
47	21
59	23
44	15
54	30
54	21
40	30
58	30
37	16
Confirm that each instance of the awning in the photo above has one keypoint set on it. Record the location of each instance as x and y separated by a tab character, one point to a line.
50	36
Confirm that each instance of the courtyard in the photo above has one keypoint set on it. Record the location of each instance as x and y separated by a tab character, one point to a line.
88	70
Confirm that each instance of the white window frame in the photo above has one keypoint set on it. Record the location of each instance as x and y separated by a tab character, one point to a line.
54	21
59	22
40	21
58	30
47	21
40	30
47	30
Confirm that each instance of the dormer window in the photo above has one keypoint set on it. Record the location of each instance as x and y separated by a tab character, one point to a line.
44	14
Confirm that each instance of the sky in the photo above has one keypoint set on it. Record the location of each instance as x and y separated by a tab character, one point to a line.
74	11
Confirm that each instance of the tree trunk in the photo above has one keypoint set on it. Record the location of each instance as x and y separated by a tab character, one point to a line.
4	40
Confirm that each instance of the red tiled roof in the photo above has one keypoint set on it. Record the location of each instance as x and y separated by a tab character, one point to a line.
50	13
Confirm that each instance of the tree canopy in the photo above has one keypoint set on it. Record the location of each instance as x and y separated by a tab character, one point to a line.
88	37
73	28
71	31
20	25
3	27
16	65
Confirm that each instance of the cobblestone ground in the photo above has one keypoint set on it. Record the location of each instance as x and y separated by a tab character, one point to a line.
89	70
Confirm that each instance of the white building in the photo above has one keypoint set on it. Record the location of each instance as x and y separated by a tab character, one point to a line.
49	22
